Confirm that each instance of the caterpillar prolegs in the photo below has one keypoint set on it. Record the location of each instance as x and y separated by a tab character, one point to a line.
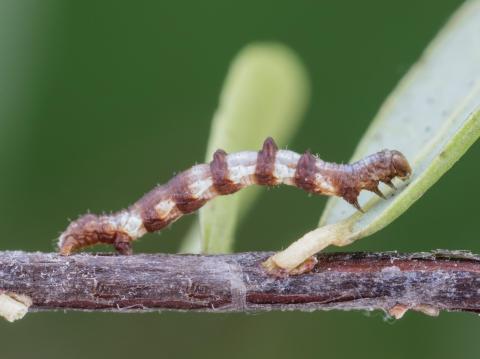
226	174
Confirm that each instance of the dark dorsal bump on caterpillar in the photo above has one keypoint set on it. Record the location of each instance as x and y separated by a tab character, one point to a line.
306	172
226	174
219	171
265	166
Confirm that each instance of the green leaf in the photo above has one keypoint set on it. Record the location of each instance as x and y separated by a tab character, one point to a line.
432	117
265	94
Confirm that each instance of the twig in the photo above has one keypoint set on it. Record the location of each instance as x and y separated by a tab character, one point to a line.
393	282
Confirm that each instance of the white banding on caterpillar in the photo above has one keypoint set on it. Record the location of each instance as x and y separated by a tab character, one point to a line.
226	174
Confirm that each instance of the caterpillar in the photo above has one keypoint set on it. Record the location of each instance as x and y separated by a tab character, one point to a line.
228	173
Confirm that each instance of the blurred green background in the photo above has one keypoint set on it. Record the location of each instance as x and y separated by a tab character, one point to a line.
101	100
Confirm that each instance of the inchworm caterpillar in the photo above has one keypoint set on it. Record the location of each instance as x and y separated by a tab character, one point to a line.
226	174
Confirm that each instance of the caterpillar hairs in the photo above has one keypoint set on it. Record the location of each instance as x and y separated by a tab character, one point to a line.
226	174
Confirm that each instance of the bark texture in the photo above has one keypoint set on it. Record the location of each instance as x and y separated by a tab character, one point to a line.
390	281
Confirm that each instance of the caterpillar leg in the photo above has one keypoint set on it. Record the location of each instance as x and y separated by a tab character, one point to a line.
123	244
390	184
377	191
351	196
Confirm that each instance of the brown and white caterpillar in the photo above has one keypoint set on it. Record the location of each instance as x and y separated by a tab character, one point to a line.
226	174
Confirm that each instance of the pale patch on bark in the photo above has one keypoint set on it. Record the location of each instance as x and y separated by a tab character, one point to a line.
14	306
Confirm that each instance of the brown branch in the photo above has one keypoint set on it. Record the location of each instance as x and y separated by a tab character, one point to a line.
237	283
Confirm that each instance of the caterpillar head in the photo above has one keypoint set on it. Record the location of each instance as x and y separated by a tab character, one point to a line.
401	165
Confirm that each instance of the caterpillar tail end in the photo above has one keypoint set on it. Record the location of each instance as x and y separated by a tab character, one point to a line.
90	230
